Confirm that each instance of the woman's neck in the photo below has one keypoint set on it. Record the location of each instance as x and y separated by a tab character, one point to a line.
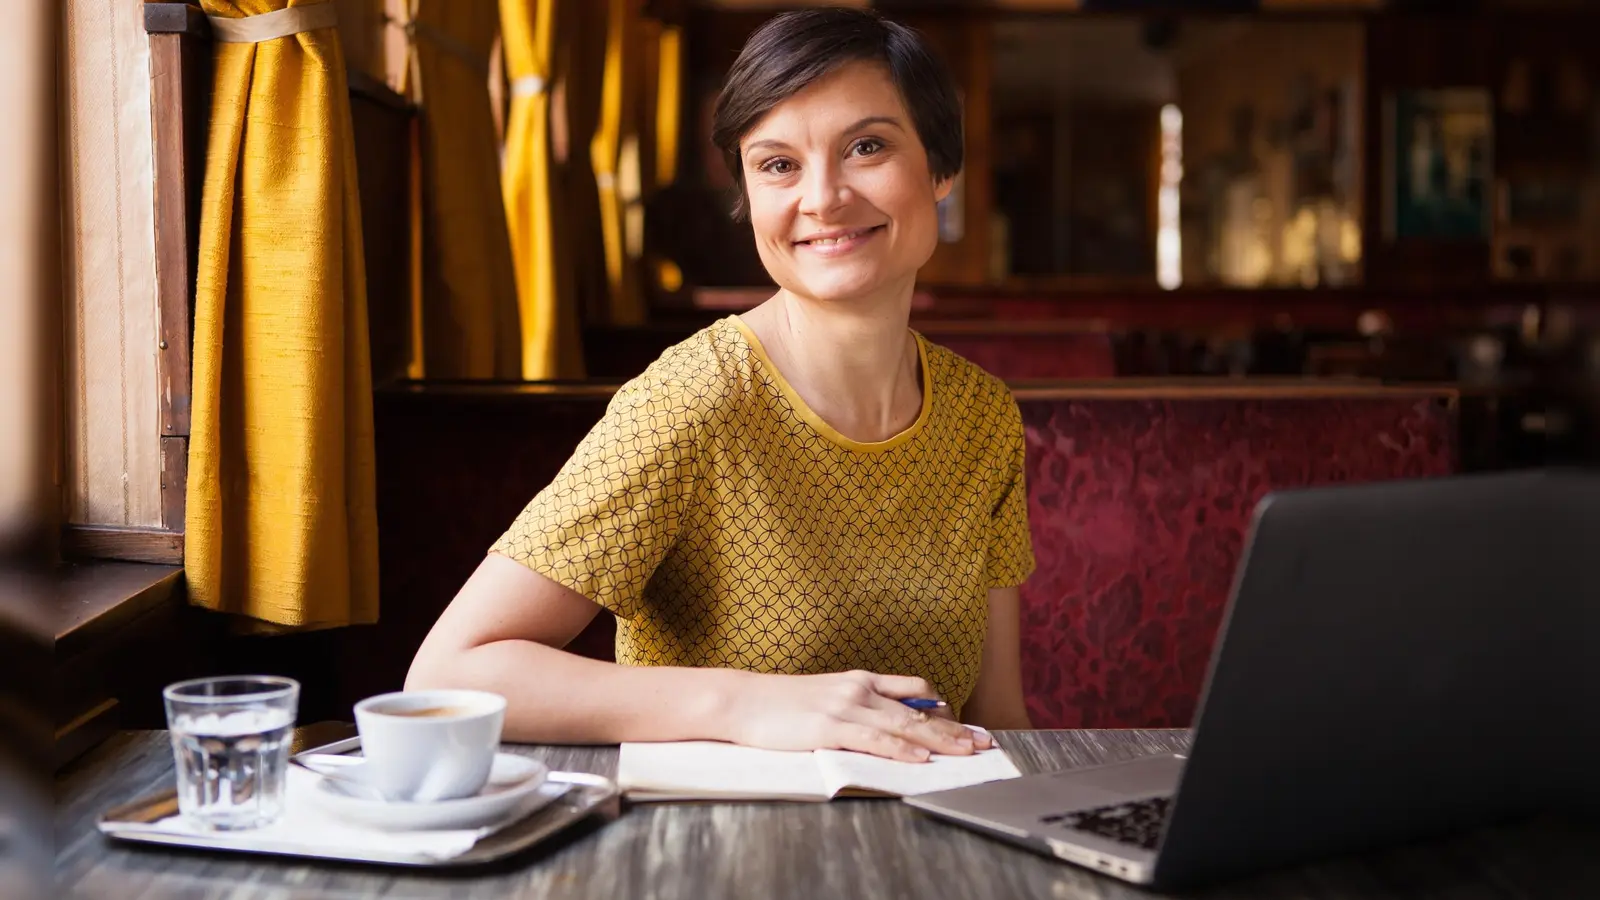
856	365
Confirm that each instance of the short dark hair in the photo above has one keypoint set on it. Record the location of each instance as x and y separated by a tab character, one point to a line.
792	50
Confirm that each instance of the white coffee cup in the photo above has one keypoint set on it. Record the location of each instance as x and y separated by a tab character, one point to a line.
426	746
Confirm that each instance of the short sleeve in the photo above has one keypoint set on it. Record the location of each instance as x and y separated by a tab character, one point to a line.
1010	559
609	517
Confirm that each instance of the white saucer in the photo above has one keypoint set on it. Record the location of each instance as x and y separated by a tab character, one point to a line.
517	786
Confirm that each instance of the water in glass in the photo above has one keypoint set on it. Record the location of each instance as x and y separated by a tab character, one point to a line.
231	747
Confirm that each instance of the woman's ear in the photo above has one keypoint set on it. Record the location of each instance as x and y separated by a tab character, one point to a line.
941	189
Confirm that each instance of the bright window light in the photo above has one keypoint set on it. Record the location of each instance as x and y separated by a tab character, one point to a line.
1169	243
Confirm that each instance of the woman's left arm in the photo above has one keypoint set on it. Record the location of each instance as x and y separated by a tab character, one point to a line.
996	702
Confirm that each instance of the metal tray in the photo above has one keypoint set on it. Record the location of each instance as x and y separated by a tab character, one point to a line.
589	795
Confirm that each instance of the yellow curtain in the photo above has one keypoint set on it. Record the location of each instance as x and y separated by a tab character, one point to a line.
615	162
580	241
669	88
469	288
281	521
658	113
551	345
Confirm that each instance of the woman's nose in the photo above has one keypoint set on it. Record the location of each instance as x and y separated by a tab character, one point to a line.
823	190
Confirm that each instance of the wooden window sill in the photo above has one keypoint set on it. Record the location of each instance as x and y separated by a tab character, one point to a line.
96	599
106	615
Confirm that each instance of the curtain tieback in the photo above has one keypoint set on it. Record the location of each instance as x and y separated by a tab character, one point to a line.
527	86
272	25
461	50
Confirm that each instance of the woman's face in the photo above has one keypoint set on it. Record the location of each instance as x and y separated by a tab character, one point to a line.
838	188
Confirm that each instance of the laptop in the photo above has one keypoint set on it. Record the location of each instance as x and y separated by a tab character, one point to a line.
1397	660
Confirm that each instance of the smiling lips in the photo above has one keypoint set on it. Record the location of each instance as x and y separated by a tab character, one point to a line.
834	243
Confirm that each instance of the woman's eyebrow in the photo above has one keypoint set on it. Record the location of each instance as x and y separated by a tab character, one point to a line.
855	126
876	120
757	145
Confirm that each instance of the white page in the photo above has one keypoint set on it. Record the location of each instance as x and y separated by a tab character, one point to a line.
845	769
711	770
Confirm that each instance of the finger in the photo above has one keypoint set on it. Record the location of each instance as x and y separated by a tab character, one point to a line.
937	734
876	741
980	737
902	687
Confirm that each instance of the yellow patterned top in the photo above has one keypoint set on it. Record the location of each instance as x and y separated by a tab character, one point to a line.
726	524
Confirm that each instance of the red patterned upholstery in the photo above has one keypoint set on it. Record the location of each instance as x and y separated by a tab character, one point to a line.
1139	510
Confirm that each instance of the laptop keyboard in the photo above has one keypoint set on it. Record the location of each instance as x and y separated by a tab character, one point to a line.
1137	822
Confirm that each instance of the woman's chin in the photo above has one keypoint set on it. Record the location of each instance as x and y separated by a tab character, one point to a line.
845	288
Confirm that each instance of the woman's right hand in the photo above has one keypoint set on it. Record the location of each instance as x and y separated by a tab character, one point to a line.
845	711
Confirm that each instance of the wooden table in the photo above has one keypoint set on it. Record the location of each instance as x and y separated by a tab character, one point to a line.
843	849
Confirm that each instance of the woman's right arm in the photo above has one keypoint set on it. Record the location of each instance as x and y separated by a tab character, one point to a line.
503	633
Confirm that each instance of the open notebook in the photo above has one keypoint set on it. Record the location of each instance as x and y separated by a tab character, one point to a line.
710	770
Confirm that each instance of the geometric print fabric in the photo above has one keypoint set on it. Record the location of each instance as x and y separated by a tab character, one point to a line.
726	524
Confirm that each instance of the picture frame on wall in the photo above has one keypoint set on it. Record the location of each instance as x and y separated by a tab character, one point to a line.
1438	165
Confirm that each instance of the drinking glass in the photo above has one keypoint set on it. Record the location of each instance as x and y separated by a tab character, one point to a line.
230	740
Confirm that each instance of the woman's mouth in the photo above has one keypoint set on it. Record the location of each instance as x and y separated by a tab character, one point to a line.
833	243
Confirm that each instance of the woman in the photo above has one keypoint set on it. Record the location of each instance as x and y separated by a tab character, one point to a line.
806	513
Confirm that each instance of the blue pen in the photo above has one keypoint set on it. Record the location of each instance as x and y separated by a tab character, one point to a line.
923	703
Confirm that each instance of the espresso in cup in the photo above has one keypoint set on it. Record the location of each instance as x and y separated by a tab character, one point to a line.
426	746
429	712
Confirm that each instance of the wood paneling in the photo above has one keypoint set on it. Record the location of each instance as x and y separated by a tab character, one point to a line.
174	481
381	124
967	48
88	728
113	423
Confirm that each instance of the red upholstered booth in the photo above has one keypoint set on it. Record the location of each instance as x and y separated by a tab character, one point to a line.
1139	504
1139	495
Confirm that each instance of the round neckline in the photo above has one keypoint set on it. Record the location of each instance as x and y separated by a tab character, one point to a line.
816	421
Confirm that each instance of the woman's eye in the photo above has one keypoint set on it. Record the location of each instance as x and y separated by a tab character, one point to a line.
777	167
866	147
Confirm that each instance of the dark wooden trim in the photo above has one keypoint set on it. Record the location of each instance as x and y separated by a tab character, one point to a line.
174	481
176	18
83	733
167	134
364	85
149	545
180	88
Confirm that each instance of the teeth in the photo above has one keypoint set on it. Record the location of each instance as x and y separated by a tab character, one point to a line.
828	242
